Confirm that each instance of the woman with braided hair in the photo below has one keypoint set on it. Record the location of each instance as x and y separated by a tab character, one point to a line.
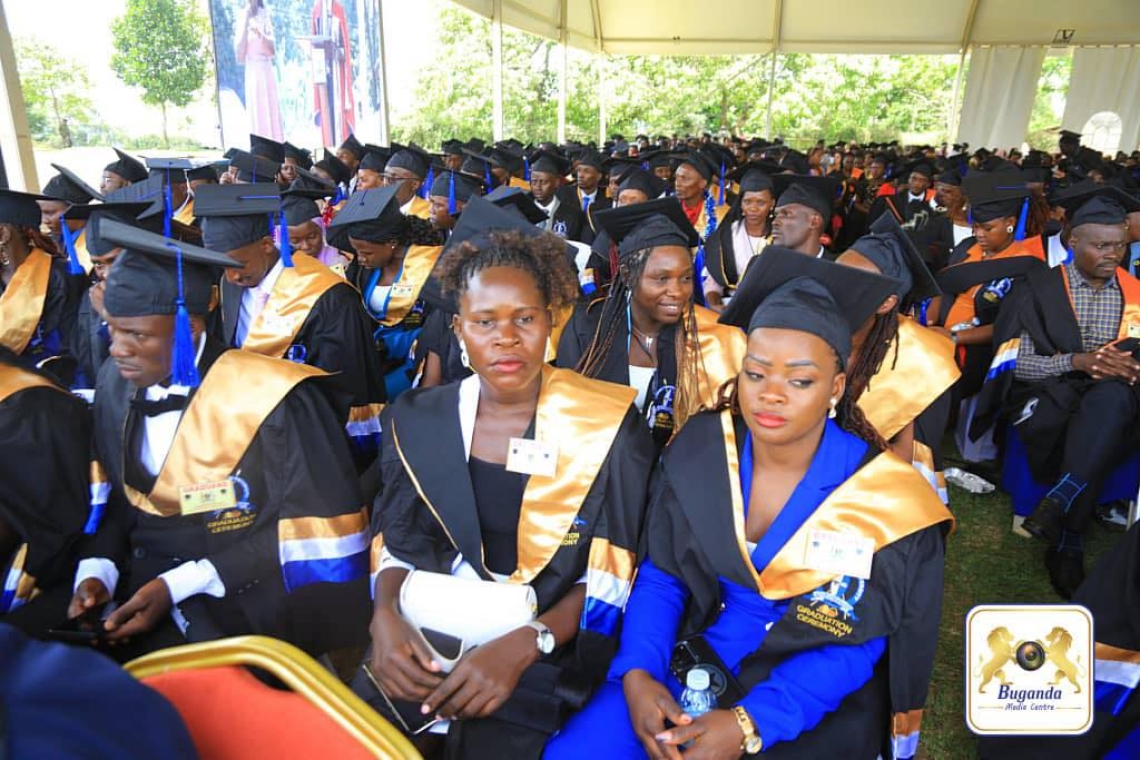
38	296
785	552
647	332
901	372
460	502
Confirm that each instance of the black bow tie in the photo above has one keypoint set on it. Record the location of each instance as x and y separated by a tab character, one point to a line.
172	403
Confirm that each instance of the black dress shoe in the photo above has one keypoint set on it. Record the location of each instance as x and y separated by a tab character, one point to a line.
1066	570
1045	521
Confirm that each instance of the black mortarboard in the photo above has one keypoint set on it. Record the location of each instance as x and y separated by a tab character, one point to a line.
144	280
457	187
253	169
1099	210
410	157
97	214
303	158
636	178
353	146
372	215
702	163
889	247
67	186
785	289
817	193
996	194
128	167
645	225
335	168
263	147
549	162
588	157
755	176
507	196
234	216
20	209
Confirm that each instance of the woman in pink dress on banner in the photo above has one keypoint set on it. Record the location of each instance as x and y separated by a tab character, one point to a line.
255	48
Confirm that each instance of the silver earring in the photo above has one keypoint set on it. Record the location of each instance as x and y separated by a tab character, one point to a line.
464	359
831	413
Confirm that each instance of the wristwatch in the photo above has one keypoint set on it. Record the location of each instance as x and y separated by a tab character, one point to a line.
752	743
544	637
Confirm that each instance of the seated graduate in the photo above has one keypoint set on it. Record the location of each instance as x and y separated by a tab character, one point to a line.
459	500
290	307
980	276
743	234
901	372
1072	391
45	503
750	505
647	333
394	255
234	507
38	292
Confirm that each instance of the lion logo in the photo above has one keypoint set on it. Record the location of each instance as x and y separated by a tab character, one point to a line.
1001	643
1057	645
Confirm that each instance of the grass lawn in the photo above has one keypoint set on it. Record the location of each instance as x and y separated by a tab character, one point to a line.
985	563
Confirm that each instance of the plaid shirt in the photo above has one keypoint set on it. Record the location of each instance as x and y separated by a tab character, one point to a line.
1098	315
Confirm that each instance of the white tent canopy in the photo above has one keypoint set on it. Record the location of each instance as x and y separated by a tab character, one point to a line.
1010	36
739	27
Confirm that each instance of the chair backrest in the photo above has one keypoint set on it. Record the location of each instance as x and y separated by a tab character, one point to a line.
231	714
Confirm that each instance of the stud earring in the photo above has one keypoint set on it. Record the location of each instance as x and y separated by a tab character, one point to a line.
831	412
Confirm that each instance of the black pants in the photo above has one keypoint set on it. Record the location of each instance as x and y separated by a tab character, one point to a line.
1100	435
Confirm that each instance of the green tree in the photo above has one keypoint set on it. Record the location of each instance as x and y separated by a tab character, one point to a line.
53	87
159	48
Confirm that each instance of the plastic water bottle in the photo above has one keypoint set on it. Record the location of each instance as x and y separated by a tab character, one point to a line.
697	698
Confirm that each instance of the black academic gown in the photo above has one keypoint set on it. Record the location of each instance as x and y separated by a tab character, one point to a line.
901	600
296	464
44	475
336	336
426	516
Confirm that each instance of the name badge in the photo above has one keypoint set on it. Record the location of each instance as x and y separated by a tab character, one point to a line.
207	497
406	290
530	457
840	553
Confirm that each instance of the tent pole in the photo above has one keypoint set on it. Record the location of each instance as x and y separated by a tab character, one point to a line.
497	70
563	66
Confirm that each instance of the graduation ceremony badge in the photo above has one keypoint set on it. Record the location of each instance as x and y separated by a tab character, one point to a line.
1029	669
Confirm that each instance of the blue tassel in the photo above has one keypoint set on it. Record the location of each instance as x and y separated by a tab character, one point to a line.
425	188
451	204
1019	233
183	369
284	244
526	169
73	265
720	199
168	207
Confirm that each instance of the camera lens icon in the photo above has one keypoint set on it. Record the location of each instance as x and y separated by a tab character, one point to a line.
1030	655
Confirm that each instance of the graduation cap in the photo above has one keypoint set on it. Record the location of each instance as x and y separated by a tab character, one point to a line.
234	216
94	215
67	186
890	249
334	167
785	289
637	178
353	146
410	157
997	194
373	215
302	157
657	222
817	193
21	209
549	162
523	202
457	187
755	176
126	166
253	169
156	275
